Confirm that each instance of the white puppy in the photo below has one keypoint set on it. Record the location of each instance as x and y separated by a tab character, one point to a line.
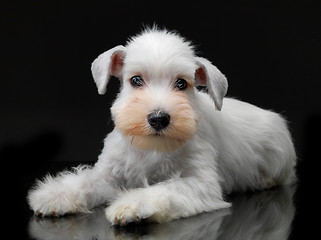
174	151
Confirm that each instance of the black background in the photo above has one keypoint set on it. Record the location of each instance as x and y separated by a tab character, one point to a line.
50	111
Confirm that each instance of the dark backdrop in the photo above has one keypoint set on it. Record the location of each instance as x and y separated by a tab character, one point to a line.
49	107
270	54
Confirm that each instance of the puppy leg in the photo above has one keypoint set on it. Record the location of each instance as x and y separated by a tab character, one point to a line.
166	201
70	192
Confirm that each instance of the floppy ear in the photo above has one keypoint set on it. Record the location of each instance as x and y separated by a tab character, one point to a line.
208	75
109	63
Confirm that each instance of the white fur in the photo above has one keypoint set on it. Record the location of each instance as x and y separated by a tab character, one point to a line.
240	148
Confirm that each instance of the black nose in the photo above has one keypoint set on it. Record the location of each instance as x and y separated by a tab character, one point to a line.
158	119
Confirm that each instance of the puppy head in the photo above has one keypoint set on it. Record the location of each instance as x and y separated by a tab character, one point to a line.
156	106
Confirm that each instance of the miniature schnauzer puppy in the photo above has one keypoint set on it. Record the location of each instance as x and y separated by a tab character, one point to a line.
175	151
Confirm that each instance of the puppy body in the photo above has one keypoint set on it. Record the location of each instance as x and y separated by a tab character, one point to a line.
181	169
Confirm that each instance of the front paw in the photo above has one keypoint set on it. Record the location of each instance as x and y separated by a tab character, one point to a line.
53	198
135	206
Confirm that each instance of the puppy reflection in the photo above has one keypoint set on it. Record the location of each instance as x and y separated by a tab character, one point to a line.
82	226
263	215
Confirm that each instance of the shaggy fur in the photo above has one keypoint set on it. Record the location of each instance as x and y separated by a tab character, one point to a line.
211	146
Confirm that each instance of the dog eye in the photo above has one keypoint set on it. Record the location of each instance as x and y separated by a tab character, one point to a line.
181	84
137	81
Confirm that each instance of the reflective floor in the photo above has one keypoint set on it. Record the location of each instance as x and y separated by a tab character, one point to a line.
264	215
278	213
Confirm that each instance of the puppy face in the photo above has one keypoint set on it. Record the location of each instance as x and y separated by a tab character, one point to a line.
156	115
156	106
162	123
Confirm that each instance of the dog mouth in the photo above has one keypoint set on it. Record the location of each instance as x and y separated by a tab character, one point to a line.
159	131
165	140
